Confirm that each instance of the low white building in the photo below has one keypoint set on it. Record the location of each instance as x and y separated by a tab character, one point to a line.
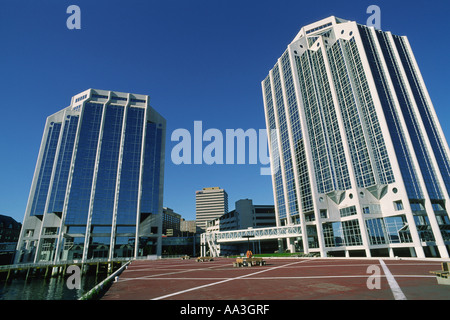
246	215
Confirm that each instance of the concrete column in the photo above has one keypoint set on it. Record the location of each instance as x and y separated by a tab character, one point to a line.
291	244
280	245
391	252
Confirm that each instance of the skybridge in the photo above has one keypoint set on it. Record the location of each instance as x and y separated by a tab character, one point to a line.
213	239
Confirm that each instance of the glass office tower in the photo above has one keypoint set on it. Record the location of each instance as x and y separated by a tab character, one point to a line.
98	185
364	164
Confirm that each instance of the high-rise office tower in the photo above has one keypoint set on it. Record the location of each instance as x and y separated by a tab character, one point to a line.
98	185
363	162
210	203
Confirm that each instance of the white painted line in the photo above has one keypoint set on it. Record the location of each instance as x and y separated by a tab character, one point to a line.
395	288
167	273
282	278
223	281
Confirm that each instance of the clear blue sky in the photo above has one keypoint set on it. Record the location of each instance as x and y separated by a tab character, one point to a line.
198	60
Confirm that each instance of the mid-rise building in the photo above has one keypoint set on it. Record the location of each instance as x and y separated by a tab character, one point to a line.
210	203
9	229
9	235
188	226
255	215
97	189
171	222
245	215
359	158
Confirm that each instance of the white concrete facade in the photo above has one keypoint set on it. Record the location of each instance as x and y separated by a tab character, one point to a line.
364	162
210	203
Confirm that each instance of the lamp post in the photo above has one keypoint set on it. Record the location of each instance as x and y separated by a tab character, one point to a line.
248	240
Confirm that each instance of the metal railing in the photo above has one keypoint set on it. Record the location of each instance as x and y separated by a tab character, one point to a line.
98	289
254	234
61	263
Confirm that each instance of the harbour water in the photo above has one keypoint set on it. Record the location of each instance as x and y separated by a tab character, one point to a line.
51	288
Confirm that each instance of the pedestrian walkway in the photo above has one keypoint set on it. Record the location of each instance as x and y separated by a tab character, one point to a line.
280	279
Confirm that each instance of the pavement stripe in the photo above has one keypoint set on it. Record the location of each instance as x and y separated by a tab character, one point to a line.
125	278
282	278
223	281
395	288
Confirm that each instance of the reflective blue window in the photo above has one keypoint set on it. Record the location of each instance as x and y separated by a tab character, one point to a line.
397	229
314	120
80	192
345	233
415	132
99	247
303	183
151	170
125	229
333	235
45	170
124	247
73	248
105	188
434	137
76	230
275	154
347	97
376	231
63	165
392	117
285	150
129	185
368	115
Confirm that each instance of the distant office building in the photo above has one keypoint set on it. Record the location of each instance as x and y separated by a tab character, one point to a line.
9	235
9	229
98	185
363	162
179	235
188	226
227	221
171	222
210	203
255	215
245	215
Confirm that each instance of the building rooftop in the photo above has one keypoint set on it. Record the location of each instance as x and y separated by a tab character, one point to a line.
9	223
319	25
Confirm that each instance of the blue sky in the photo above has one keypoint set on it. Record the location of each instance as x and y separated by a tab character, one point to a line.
198	60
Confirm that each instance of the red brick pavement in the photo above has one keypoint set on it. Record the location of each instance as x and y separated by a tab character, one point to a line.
279	279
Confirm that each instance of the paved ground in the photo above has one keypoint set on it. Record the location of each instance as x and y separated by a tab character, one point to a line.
280	279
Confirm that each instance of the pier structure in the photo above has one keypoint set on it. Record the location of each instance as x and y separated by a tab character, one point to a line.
51	269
